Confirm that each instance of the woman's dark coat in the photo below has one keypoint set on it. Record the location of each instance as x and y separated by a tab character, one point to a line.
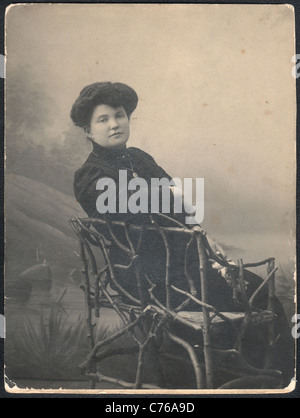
103	162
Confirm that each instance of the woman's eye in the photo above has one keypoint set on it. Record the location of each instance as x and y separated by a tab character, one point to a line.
102	120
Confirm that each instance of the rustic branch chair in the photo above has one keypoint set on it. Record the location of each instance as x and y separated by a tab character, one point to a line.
156	317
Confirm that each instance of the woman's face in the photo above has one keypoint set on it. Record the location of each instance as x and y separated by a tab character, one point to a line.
109	126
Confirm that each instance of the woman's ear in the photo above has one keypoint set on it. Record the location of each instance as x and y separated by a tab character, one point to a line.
88	132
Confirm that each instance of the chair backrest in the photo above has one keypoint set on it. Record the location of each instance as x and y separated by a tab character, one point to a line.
115	249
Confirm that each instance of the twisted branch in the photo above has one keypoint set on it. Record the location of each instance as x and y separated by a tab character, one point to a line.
193	356
251	300
143	347
115	239
168	256
92	356
247	307
206	318
207	306
167	311
112	302
113	278
126	385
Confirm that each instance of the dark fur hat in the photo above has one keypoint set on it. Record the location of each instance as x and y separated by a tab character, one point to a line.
111	94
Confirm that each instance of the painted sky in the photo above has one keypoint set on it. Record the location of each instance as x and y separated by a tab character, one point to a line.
216	95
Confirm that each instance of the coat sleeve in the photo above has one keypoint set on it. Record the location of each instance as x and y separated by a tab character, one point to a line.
142	157
85	180
86	193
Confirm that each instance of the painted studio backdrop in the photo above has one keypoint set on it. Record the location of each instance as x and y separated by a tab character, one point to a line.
216	101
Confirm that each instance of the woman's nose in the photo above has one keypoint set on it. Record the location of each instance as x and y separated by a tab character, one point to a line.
113	123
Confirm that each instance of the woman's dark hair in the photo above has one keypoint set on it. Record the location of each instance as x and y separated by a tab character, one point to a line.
111	94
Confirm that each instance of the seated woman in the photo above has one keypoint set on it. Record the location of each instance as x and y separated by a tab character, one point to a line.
103	110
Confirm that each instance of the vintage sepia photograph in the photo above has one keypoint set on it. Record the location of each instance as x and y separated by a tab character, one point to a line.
150	198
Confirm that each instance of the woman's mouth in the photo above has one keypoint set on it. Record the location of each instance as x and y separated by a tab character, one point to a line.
116	134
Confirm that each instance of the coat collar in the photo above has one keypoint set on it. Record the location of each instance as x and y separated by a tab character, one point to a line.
108	153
